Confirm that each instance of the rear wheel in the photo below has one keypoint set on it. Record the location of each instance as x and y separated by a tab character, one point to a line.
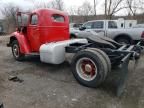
105	57
123	40
88	68
16	51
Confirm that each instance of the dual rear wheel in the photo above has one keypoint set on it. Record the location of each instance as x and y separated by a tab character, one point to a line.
90	67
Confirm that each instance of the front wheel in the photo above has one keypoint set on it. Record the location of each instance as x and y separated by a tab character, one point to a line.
16	51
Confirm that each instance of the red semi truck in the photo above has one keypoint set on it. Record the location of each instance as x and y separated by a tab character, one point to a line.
45	32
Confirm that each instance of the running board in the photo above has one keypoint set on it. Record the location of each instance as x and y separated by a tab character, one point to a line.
33	54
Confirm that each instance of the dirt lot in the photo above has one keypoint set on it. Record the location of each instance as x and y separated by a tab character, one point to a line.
53	86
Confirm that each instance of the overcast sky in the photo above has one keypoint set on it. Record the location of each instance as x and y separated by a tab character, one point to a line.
26	4
67	3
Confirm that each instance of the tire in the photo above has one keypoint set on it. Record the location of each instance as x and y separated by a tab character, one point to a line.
105	64
123	40
96	62
16	51
106	59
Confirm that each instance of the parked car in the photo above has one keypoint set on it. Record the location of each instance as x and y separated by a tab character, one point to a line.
109	29
74	29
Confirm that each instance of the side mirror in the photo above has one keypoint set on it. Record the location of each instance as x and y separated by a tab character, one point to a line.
82	28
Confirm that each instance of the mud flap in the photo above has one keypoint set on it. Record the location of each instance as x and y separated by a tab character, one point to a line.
122	71
116	79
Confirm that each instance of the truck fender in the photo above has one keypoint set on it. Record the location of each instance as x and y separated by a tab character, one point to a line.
23	42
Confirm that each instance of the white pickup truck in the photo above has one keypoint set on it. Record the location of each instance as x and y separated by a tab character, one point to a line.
109	29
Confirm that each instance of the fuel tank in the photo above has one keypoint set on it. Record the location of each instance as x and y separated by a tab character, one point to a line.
54	53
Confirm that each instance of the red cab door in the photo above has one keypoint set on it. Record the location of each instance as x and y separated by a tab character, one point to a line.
33	33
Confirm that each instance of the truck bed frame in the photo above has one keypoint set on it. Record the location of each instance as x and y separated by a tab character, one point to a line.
119	57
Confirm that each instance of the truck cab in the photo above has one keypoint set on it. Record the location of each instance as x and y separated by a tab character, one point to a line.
38	27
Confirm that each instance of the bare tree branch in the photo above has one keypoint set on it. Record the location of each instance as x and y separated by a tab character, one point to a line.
9	13
112	7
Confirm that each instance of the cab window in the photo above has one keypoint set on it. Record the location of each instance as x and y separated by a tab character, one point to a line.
98	25
34	19
112	24
58	18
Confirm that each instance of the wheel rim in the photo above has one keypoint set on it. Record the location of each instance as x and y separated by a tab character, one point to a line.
86	69
16	50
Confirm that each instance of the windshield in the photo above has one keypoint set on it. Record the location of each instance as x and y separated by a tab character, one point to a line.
22	20
87	25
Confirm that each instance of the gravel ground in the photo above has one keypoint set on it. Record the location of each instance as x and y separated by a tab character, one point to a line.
53	86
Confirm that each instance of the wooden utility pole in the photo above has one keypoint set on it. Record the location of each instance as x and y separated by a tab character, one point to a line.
106	9
95	7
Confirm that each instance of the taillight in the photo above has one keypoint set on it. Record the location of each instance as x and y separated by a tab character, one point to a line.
142	35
